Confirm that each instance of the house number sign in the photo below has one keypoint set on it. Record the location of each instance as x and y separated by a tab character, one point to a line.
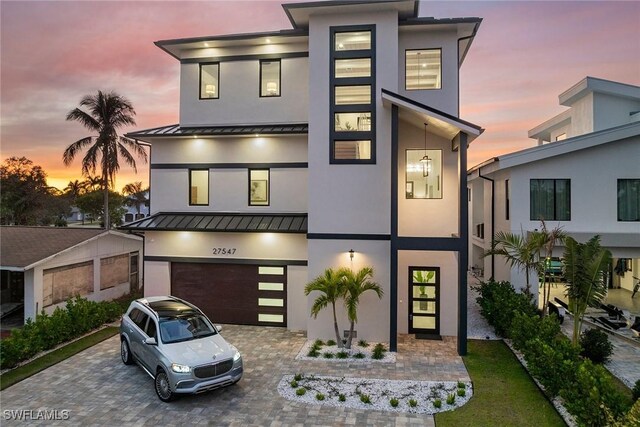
224	251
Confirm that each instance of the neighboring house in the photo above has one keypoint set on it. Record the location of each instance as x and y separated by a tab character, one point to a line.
299	150
583	176
43	266
132	211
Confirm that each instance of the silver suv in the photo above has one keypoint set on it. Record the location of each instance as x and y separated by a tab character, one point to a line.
178	346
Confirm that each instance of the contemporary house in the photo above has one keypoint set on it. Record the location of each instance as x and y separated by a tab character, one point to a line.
41	267
584	176
335	143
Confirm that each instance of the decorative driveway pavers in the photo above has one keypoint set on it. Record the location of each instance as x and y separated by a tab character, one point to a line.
98	389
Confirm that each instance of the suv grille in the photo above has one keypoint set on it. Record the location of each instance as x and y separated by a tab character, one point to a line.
214	369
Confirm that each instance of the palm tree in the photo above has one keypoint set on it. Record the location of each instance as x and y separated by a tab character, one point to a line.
74	189
136	195
355	284
92	183
585	269
549	238
106	113
330	284
519	250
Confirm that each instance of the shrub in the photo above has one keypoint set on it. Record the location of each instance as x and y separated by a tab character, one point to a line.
364	398
461	384
636	390
297	377
319	396
363	344
413	403
437	403
301	391
294	384
342	397
331	342
342	355
394	402
327	355
318	343
462	392
498	301
359	355
313	353
596	346
525	327
553	364
378	351
451	399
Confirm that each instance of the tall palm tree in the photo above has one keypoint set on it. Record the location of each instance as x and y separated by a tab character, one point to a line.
92	183
355	284
74	189
520	251
330	284
136	194
585	269
106	113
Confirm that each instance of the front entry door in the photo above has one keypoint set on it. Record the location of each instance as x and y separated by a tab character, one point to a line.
424	301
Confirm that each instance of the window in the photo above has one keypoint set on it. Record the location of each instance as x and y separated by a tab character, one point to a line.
507	199
199	187
423	69
269	78
423	174
352	90
258	187
209	81
629	200
561	137
550	199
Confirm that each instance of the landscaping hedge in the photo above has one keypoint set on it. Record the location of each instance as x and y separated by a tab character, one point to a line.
79	317
587	390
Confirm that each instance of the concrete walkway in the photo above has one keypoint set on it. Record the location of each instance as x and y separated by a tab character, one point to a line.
98	389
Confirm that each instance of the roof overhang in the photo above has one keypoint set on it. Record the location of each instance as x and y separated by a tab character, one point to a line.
176	131
440	123
543	130
592	84
300	13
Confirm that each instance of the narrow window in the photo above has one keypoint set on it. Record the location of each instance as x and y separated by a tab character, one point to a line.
258	187
423	174
507	199
353	40
629	200
550	199
270	78
199	187
209	81
356	67
352	150
423	69
353	95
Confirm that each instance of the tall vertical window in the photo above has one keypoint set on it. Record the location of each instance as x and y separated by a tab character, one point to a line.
423	174
507	199
209	81
270	77
352	112
550	199
258	187
629	200
423	69
199	187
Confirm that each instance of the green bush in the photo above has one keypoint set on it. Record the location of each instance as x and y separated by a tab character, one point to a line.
363	343
596	346
437	403
297	377
359	355
525	327
462	392
47	331
378	351
313	353
498	301
327	355
301	391
364	398
342	355
319	396
394	402
342	397
451	399
413	403
294	384
331	342
636	390
553	364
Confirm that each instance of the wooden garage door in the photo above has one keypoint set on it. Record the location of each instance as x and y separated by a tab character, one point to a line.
233	293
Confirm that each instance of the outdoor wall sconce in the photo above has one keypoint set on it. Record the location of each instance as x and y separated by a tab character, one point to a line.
351	254
426	161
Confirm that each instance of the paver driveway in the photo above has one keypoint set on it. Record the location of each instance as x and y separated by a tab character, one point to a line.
98	389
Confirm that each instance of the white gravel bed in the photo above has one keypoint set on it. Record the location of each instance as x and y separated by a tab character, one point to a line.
389	357
477	326
380	392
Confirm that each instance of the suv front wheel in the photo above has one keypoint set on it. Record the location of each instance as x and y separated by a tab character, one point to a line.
163	388
125	352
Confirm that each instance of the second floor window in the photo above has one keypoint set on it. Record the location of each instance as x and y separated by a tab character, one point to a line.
258	187
270	78
199	187
423	69
550	199
629	200
209	81
423	174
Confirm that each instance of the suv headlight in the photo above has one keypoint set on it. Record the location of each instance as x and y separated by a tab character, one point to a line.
236	353
181	369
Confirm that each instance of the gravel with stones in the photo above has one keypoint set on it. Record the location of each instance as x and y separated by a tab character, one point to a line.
380	392
477	326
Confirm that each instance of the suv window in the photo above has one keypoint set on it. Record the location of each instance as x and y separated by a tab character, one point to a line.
150	330
138	317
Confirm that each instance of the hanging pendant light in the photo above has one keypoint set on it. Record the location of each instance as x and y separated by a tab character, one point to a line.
426	160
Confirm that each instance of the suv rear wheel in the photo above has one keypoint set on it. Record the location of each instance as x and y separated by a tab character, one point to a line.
163	388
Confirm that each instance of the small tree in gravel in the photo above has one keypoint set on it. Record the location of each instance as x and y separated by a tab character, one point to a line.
330	284
355	284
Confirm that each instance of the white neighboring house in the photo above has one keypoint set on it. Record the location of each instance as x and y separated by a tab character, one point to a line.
43	266
132	212
583	176
303	149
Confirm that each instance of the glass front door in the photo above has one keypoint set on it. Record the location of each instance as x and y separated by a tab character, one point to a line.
424	300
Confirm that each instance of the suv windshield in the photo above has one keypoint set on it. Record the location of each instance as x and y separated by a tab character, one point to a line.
185	327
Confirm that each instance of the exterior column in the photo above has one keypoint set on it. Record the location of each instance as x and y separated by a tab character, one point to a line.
463	238
393	296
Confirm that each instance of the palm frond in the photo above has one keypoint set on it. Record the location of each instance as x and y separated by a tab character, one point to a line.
84	118
72	150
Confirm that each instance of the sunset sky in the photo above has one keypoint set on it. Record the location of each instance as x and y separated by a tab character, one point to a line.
52	53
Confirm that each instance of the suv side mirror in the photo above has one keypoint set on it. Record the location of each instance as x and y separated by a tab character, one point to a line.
219	328
150	341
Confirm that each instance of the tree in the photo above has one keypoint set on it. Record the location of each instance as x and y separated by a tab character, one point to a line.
520	251
549	238
26	199
107	113
74	189
355	284
585	269
136	195
92	203
92	183
330	284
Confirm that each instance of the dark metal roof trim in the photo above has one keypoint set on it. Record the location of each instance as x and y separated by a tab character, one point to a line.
240	36
439	21
226	222
177	130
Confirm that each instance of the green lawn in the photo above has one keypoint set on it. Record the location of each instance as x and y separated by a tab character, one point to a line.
25	371
503	394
